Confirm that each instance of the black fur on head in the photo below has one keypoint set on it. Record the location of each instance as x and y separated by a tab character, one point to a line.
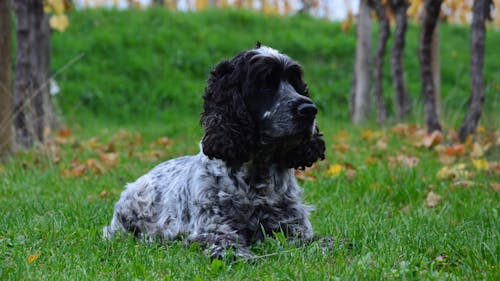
257	102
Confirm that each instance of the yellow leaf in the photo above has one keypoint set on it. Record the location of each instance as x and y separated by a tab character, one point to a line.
454	172
59	22
335	170
34	257
2	168
57	6
480	164
367	134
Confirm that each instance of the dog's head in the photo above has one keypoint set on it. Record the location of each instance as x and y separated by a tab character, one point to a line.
258	101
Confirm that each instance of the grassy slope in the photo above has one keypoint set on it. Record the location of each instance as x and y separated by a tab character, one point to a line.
146	72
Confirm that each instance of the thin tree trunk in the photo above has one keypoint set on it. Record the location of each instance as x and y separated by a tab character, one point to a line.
6	136
436	68
360	95
431	14
38	68
378	61
403	101
481	11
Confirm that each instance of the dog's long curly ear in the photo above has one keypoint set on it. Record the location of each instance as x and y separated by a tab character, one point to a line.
229	130
306	153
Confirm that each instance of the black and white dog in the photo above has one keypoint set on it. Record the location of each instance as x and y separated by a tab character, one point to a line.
259	124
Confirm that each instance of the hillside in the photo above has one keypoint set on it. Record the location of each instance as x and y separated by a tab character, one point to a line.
149	64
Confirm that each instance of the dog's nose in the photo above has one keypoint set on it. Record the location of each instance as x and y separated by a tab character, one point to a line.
307	110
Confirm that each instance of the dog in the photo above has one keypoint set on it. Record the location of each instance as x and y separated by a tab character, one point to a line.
259	125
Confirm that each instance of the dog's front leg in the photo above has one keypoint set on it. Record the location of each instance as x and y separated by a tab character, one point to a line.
218	246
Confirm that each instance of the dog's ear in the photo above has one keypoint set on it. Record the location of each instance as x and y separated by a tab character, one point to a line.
306	153
229	130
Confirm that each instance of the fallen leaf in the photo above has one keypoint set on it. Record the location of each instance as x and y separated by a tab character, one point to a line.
432	200
480	164
441	258
381	144
59	22
432	139
455	150
479	150
164	141
109	159
335	170
343	136
457	171
341	147
34	257
495	186
94	166
104	193
371	160
407	161
75	172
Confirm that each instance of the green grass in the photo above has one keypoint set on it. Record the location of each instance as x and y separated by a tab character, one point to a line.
145	72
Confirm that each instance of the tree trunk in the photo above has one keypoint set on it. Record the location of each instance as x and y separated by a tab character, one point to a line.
32	105
403	101
481	11
431	14
23	83
6	136
436	68
360	95
378	61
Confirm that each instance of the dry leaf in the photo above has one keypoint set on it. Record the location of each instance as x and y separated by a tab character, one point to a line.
335	170
164	141
432	200
371	160
407	161
109	159
478	150
381	144
495	186
480	164
59	22
454	172
455	150
75	172
34	257
94	166
104	193
432	139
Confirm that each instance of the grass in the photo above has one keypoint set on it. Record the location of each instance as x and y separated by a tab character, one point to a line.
142	80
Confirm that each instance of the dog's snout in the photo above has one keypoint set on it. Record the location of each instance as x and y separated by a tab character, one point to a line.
307	110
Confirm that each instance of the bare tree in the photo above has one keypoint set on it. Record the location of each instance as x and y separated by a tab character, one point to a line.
378	60
6	136
481	11
360	95
403	101
431	14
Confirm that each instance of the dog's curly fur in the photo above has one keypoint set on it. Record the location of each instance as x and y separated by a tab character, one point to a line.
259	124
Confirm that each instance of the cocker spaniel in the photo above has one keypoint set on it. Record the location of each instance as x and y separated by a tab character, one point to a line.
259	125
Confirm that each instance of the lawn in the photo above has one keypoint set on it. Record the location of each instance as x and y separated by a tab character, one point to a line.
415	206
